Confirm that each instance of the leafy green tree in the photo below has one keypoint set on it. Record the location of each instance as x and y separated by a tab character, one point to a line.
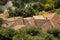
21	3
49	5
21	12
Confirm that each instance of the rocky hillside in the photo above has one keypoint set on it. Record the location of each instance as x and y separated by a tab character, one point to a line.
45	21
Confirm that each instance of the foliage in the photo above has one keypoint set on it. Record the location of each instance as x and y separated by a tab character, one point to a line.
50	37
1	22
55	11
27	37
57	4
55	33
3	2
28	8
22	3
21	12
42	12
29	33
1	11
6	33
49	5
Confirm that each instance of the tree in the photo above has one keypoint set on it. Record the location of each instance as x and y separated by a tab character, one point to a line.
49	5
21	12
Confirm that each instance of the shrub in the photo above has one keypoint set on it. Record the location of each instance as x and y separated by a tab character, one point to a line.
42	12
6	33
29	33
54	32
55	11
21	12
50	37
27	37
1	11
1	22
34	38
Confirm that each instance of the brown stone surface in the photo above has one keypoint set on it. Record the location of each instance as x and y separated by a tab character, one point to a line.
56	21
29	21
17	27
46	26
39	20
10	22
49	16
45	21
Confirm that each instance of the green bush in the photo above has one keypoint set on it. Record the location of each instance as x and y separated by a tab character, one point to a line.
21	12
43	12
34	38
55	11
29	33
50	37
27	37
1	22
54	32
6	33
1	10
